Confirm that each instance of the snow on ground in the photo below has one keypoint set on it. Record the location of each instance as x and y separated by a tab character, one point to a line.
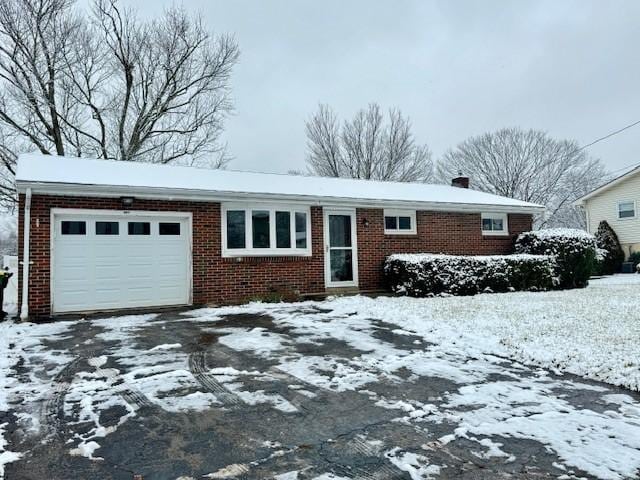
15	339
592	332
464	340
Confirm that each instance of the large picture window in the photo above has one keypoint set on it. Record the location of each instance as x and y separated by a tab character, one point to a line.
264	230
494	224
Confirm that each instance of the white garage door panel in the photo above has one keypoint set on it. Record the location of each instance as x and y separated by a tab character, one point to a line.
103	272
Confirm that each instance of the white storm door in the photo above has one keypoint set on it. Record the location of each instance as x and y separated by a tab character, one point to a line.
341	252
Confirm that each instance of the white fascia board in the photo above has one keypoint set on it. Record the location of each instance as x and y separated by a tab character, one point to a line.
148	193
603	188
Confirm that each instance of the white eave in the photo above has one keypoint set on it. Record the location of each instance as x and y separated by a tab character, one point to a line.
612	183
101	178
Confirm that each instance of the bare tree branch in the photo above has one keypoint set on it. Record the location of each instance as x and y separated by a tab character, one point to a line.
527	165
366	147
111	85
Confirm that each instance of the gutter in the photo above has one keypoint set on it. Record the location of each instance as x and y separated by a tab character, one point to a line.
24	309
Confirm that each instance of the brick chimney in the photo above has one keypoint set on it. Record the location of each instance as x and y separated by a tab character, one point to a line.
461	182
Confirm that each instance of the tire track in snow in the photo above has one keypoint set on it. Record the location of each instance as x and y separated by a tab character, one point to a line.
52	414
198	368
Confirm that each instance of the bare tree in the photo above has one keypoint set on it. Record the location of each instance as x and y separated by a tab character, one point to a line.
366	147
110	85
527	165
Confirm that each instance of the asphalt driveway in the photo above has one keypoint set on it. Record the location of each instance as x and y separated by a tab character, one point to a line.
295	392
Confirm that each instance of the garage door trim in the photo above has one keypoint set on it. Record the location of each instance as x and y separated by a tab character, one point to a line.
56	212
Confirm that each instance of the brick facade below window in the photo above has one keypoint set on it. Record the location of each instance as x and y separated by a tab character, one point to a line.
226	280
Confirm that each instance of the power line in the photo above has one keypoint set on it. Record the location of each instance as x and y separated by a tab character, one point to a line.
609	135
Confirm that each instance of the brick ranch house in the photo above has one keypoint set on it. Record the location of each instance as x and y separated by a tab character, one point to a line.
97	235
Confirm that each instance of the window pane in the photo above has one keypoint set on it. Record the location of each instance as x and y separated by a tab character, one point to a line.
74	228
498	224
487	224
236	229
172	228
404	223
391	223
283	230
301	230
340	230
139	228
341	265
260	223
107	228
626	210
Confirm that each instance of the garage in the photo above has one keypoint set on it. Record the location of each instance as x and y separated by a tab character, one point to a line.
107	260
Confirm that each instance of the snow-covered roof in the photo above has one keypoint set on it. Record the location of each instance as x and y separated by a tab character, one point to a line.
66	175
610	184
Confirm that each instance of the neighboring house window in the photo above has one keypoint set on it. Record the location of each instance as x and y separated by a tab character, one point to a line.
626	209
400	222
494	224
264	230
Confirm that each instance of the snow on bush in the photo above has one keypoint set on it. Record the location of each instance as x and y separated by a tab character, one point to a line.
574	251
420	275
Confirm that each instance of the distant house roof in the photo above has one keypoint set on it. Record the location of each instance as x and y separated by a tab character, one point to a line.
66	175
610	184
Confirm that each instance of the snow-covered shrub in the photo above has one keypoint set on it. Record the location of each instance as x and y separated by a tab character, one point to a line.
8	234
607	239
574	251
421	275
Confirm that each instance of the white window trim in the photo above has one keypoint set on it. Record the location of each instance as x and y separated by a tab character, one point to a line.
400	213
495	233
249	251
635	210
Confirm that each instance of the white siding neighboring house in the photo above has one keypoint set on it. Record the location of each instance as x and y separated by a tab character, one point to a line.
617	202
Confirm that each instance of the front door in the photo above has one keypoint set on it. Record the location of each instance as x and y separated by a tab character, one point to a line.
341	253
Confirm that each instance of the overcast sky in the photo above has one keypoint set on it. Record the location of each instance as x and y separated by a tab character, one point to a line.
456	68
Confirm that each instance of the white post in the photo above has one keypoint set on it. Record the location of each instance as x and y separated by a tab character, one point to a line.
24	310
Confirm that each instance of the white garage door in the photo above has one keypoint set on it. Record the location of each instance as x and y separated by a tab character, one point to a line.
111	261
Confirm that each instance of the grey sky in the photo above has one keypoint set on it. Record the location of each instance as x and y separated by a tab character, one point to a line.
456	68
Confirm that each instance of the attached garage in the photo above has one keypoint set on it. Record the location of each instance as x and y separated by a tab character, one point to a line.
107	260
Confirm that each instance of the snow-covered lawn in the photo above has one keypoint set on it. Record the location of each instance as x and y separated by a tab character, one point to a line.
592	332
62	383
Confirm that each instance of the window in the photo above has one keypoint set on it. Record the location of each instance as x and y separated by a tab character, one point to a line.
494	224
626	209
169	228
301	230
107	228
74	228
235	229
400	222
260	228
283	229
265	230
139	228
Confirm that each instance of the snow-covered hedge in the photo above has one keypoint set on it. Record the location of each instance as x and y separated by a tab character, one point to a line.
574	251
421	275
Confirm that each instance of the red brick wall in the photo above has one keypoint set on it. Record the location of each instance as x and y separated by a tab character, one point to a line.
224	280
451	233
215	279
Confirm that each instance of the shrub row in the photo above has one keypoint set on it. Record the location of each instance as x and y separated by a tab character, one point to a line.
421	275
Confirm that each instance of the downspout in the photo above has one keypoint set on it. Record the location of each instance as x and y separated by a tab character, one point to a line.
24	310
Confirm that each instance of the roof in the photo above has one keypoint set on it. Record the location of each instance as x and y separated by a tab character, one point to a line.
90	177
610	184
